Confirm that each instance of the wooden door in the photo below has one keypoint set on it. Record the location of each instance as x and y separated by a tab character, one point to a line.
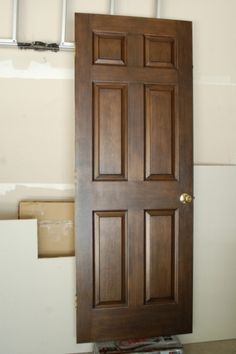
133	161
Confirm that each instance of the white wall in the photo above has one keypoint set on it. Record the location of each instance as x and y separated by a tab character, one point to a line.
37	125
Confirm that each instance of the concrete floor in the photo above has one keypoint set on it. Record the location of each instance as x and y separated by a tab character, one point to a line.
218	347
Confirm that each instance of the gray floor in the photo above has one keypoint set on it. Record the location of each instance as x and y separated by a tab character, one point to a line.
218	347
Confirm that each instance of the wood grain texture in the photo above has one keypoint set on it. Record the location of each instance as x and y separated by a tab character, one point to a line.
110	131
160	256
112	177
160	123
110	258
109	48
160	52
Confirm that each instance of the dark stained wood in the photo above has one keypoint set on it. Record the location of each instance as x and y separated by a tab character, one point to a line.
110	258
160	51
160	132
109	48
160	265
133	161
110	131
133	74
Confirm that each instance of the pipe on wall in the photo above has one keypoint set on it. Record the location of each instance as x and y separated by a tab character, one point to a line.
6	42
64	45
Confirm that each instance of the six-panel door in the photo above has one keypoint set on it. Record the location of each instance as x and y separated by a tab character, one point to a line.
133	161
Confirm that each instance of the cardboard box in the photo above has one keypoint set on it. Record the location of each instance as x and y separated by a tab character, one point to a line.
55	226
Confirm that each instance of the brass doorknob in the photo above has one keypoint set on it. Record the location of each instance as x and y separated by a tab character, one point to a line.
186	198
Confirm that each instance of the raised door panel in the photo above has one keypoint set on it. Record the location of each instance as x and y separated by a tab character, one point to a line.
110	131
109	239
161	133
109	48
160	51
160	256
